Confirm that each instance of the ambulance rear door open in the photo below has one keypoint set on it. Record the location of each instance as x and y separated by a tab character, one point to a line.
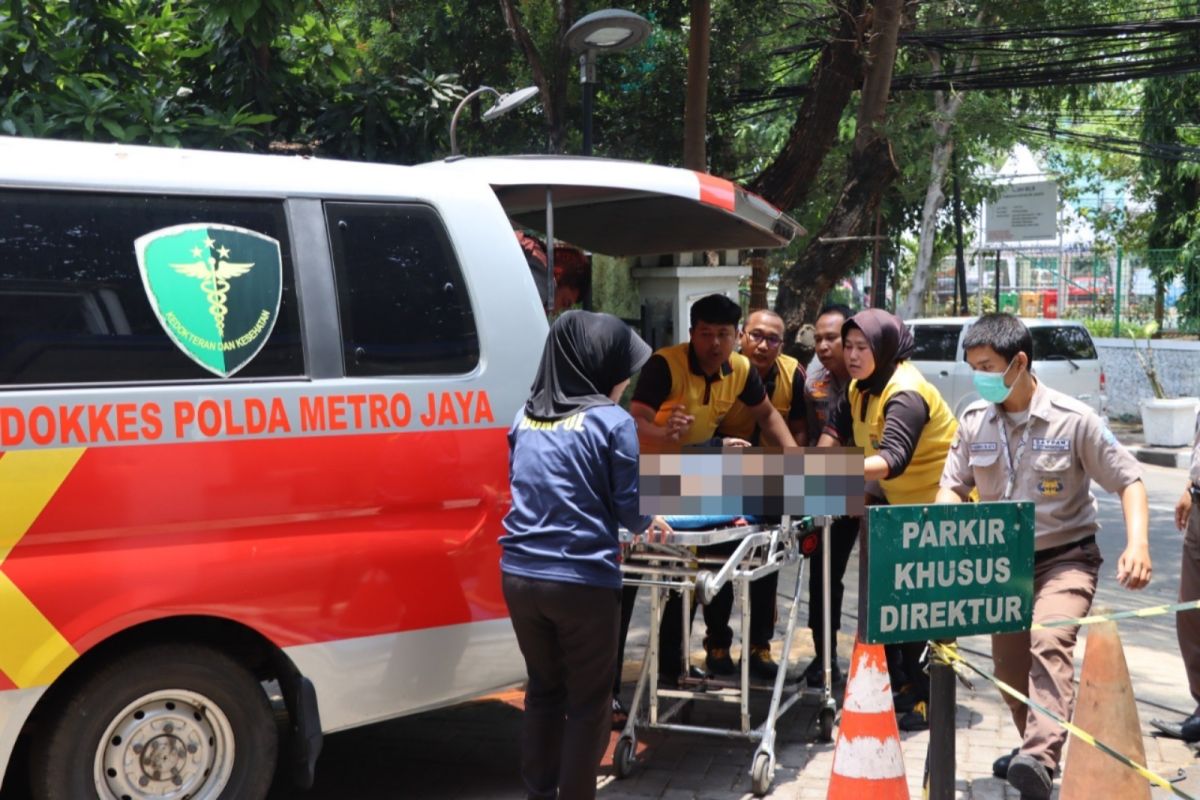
626	208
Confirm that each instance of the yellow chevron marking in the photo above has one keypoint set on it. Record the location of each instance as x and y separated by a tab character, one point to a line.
34	652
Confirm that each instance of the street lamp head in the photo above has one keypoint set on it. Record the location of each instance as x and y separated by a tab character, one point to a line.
610	30
507	102
504	104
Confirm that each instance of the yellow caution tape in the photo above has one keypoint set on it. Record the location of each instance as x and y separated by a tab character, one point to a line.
937	654
951	656
1152	611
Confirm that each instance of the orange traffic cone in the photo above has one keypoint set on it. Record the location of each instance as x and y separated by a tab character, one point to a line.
867	760
1105	707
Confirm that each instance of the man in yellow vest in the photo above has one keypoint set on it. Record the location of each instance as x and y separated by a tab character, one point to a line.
684	393
783	378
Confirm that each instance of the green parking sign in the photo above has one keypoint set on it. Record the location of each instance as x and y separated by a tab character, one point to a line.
942	571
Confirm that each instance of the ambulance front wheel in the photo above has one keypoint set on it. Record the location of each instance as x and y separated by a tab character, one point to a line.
167	721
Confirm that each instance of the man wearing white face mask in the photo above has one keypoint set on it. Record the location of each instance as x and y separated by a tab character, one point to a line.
1025	441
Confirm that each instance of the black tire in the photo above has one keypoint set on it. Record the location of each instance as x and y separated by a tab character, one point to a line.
760	775
825	724
624	759
169	686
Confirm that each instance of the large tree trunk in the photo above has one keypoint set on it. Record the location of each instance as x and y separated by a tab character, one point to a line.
787	180
914	301
759	272
551	79
695	108
945	112
839	245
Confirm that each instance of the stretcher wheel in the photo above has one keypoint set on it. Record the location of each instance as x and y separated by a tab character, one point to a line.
825	725
760	774
706	586
624	759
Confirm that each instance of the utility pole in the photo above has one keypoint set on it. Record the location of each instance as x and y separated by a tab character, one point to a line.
695	106
960	264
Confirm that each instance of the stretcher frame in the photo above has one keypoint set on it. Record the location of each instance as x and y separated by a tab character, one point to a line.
671	563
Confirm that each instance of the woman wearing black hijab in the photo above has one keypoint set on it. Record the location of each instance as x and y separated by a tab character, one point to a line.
904	427
573	469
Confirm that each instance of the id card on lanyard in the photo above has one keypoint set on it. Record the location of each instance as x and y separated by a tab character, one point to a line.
1013	461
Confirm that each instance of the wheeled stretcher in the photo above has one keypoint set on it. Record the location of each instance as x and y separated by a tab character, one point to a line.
672	563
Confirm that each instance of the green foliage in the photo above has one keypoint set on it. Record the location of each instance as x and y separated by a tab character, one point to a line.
1107	329
379	80
125	71
614	291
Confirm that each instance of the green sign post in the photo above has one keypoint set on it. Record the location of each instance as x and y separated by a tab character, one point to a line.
943	571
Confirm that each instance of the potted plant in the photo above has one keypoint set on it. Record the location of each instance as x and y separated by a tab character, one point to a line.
1166	421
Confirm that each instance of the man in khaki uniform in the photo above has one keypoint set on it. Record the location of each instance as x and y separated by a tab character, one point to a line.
1025	441
1187	623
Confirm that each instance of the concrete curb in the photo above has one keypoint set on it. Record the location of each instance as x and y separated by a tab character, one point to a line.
1173	457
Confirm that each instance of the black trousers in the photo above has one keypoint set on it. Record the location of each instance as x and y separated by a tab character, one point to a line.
716	620
670	635
762	614
904	660
843	534
568	636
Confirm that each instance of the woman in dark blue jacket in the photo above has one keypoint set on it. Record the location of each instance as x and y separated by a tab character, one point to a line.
573	467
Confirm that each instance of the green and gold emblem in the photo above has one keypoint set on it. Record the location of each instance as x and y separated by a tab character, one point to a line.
215	289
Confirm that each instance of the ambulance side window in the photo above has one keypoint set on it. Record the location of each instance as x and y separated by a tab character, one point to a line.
402	300
75	309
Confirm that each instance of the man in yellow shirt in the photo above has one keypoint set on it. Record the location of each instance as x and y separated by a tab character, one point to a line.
783	378
683	395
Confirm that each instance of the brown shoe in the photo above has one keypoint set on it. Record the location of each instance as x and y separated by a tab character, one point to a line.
762	666
719	662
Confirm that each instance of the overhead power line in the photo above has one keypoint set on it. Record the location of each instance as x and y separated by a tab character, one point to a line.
1068	55
1118	144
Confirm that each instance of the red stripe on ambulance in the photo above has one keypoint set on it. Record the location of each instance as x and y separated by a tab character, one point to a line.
350	536
717	192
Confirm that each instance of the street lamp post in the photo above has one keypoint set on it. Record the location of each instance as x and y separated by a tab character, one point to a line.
504	104
609	31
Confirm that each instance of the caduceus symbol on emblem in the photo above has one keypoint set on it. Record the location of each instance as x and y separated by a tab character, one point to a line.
214	276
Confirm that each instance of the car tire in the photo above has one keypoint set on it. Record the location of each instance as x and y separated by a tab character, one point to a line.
161	721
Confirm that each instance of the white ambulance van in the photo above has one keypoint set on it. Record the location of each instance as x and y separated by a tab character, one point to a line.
252	443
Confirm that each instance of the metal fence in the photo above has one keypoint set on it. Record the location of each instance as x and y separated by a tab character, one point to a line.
1113	290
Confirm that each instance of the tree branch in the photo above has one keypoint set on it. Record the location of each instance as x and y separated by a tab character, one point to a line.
533	58
786	181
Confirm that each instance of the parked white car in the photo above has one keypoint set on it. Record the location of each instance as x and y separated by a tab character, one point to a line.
1063	357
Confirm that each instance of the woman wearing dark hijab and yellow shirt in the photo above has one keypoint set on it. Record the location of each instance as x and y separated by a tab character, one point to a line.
904	427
